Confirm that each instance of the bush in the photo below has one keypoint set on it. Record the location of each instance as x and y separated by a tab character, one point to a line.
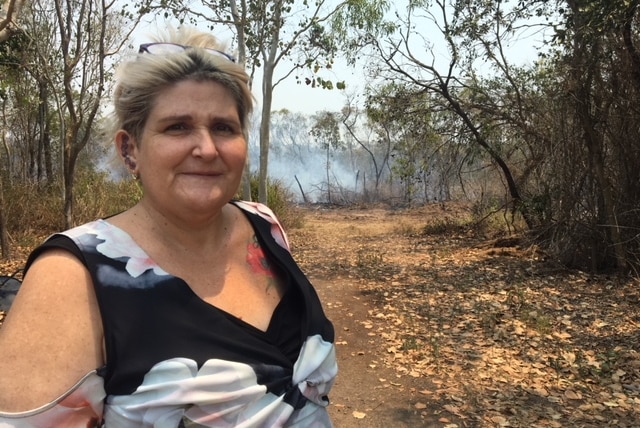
280	200
34	211
97	196
447	226
38	210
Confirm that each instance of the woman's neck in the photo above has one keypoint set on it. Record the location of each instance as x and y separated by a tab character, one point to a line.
192	236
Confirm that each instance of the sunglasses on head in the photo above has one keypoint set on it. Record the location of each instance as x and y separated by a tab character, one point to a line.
170	48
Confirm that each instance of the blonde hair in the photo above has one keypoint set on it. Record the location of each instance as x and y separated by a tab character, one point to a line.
141	79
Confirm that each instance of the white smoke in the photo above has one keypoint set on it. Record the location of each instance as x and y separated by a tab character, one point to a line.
298	161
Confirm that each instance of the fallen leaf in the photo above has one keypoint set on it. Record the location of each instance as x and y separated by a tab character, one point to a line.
452	409
500	420
359	415
572	395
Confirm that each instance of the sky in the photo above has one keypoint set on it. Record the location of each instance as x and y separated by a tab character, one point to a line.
303	99
287	94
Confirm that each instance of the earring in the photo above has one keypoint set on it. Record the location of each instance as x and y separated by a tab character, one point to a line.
129	163
127	159
134	175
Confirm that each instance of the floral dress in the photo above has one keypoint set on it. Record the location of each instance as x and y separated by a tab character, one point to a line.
173	360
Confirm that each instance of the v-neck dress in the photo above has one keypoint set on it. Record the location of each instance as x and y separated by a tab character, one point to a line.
174	360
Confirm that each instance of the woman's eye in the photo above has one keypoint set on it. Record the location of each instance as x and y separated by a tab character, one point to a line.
177	127
223	128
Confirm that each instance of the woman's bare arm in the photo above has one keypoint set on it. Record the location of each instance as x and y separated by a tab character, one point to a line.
52	335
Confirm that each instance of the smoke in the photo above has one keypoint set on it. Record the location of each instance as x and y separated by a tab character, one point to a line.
304	169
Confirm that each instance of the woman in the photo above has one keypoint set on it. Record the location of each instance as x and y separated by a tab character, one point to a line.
187	309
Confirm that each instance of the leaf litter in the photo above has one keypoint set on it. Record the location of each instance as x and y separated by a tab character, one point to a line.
487	335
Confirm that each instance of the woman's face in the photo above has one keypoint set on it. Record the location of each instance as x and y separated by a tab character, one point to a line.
192	150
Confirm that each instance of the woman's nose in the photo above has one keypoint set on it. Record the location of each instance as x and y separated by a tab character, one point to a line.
206	144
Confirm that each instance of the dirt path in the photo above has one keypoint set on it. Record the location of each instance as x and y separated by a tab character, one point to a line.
367	394
438	327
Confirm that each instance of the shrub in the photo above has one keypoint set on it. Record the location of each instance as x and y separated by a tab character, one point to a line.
32	211
37	209
446	226
97	196
280	200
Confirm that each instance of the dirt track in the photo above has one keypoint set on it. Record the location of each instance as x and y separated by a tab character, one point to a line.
455	330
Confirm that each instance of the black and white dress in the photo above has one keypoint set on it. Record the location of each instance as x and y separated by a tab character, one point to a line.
174	360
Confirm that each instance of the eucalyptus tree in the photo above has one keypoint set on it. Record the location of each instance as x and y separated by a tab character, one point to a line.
290	135
361	152
598	57
376	148
401	119
413	140
9	15
443	48
18	108
10	60
326	131
34	90
593	44
26	155
89	32
281	39
70	44
583	204
292	152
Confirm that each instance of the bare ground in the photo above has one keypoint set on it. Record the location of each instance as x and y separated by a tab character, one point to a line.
444	329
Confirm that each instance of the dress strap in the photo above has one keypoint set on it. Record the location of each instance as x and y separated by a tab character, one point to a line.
80	406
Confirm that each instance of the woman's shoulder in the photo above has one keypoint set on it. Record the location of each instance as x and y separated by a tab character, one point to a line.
71	241
255	208
52	334
92	227
277	231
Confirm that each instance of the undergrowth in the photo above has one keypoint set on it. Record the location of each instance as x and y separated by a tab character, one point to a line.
447	225
280	200
34	211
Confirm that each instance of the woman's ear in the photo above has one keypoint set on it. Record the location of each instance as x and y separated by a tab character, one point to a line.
125	145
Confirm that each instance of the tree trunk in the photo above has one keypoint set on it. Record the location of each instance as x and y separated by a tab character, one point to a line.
594	141
585	70
265	133
45	135
328	178
68	177
512	186
42	126
246	180
4	239
304	197
10	14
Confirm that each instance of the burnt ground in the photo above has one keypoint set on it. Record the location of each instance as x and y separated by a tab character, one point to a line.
438	327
